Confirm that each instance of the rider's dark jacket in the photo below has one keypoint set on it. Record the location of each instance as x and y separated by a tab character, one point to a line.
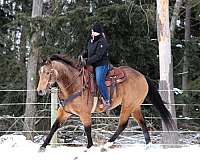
97	52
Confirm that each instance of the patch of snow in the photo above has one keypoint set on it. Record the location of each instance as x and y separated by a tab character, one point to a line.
177	91
178	23
179	46
17	147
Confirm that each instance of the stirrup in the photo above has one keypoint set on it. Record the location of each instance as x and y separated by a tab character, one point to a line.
106	104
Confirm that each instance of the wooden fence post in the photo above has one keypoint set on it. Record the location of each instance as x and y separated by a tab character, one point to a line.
166	65
54	104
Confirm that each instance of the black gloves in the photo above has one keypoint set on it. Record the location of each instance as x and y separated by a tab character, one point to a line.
82	61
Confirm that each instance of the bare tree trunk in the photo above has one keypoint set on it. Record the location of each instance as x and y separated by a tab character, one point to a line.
166	64
2	2
186	109
31	97
174	18
91	6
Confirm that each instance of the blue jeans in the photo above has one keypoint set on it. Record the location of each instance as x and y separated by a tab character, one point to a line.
100	73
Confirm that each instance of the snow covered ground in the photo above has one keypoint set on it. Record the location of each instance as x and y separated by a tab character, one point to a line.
16	147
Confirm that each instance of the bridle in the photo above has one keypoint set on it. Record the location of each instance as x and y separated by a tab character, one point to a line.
74	78
51	83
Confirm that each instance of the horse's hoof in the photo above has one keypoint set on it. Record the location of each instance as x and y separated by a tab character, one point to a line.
42	149
106	146
75	158
148	146
88	149
103	149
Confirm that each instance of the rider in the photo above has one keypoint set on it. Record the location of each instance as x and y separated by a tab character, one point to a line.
96	55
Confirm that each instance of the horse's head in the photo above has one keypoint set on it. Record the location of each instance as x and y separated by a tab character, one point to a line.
47	77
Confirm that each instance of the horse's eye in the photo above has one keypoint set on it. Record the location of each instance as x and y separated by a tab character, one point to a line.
48	73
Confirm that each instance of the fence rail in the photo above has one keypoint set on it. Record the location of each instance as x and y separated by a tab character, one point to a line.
145	104
24	90
177	91
104	131
111	117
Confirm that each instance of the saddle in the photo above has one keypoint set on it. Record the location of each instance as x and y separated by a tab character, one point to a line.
114	76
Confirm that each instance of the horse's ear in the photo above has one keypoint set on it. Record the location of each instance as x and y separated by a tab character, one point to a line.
42	60
48	61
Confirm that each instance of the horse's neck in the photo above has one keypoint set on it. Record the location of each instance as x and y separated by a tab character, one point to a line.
68	79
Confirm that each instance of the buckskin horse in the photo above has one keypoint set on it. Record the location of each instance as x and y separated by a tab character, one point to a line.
130	95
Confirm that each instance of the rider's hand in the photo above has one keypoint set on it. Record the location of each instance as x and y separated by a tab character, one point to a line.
80	57
83	62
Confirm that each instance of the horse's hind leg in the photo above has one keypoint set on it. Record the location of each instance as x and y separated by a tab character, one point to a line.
123	121
137	115
61	116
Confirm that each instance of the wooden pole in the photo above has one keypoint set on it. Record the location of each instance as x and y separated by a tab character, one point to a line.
54	104
166	64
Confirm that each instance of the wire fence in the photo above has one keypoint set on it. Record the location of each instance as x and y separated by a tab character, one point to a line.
10	130
39	103
110	117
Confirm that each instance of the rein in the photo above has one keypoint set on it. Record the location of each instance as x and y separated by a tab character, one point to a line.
75	77
76	94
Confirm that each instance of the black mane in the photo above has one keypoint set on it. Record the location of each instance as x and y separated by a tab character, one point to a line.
64	59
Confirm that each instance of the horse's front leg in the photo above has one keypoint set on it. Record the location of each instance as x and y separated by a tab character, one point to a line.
55	126
86	120
61	116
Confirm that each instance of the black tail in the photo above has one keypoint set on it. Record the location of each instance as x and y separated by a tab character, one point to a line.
157	101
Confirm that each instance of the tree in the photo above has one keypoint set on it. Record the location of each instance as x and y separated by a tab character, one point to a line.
174	18
186	109
165	61
31	96
12	66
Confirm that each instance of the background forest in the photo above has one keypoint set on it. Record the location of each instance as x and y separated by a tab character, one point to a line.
130	27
